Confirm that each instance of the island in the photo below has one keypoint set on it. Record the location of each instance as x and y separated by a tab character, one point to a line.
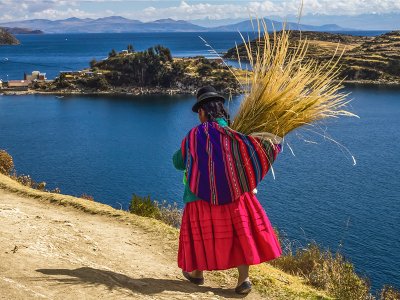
7	38
366	60
18	30
152	71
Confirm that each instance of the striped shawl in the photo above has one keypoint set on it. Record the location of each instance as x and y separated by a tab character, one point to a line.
222	164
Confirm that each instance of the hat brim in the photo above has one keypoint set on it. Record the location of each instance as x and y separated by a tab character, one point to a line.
207	97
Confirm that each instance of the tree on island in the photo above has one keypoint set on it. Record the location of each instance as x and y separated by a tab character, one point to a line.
113	53
130	48
93	63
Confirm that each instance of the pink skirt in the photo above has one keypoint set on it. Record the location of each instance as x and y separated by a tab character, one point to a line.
226	236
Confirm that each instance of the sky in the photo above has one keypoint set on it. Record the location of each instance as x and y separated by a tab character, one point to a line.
13	10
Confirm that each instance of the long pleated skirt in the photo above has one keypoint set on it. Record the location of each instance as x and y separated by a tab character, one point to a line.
226	236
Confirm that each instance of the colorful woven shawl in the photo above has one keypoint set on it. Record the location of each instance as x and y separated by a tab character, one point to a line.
222	164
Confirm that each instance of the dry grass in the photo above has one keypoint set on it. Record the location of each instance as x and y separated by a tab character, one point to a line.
326	271
333	47
287	91
87	197
389	293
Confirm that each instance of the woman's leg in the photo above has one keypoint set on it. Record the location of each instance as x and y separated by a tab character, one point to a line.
243	274
196	274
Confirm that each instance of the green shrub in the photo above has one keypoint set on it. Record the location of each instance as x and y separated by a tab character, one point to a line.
204	70
6	163
145	207
113	53
93	63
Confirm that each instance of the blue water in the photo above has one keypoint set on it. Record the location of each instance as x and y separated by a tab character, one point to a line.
52	53
113	147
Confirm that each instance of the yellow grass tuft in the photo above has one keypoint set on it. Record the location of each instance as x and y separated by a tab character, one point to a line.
286	91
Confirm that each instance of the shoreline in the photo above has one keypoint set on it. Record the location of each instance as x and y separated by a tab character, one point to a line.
133	92
163	91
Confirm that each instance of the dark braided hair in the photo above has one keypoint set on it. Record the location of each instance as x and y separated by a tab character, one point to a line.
214	110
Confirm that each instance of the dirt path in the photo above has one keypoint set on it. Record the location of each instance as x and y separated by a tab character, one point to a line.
50	251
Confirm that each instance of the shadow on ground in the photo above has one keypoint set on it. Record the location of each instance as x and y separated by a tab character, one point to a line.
113	280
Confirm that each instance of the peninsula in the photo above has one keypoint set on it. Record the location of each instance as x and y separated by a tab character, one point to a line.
366	60
7	38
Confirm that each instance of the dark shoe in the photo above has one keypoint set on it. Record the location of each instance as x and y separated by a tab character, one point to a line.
198	281
244	288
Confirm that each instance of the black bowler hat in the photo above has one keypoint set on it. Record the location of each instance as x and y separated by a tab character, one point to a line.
206	94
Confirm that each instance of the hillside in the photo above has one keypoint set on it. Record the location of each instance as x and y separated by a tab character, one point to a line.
377	59
61	247
249	26
7	38
365	60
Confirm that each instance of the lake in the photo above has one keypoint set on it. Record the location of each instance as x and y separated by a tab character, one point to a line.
112	147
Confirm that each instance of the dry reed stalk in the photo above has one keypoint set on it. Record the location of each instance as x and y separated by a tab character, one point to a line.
285	90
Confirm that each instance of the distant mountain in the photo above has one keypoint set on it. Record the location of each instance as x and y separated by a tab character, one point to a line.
210	23
109	24
362	22
248	26
119	24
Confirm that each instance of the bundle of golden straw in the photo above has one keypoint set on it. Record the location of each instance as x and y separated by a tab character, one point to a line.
286	90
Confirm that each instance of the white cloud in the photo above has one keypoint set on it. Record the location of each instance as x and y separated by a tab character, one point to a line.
189	9
53	14
243	9
47	9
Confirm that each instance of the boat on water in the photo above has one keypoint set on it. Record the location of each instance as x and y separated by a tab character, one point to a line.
59	97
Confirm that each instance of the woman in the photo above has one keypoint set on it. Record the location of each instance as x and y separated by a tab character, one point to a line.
223	224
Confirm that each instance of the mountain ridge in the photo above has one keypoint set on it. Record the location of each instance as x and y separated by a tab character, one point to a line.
118	24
